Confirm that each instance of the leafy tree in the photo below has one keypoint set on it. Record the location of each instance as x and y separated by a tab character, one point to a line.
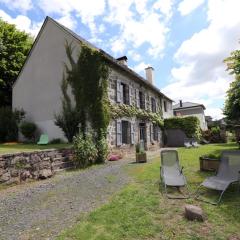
232	103
14	47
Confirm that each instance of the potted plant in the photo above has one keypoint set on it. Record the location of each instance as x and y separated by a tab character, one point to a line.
141	155
209	162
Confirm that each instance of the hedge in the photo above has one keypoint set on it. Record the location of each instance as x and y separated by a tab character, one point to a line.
190	125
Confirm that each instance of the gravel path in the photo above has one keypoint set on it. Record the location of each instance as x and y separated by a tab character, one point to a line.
41	210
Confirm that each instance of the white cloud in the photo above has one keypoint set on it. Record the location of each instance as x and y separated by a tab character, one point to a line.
22	23
86	10
165	6
134	55
140	68
187	6
201	72
137	28
68	21
21	5
215	113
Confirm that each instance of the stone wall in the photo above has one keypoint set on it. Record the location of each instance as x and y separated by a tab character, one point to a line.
19	167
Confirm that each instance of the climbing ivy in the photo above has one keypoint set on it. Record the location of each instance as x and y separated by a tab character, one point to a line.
121	110
87	77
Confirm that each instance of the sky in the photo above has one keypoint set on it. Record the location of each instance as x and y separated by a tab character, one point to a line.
185	41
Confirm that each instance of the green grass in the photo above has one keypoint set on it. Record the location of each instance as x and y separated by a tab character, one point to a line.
140	211
29	147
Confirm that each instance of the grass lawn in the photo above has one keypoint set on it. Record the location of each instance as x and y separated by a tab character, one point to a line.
140	211
28	147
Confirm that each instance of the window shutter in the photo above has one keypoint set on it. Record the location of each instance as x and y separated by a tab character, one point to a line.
137	98
119	132
119	92
127	94
144	100
151	132
132	133
130	95
159	134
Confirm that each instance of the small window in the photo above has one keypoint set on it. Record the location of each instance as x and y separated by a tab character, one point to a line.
142	100
125	93
165	106
153	104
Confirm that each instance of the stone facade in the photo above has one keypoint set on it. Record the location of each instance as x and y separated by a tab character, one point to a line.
34	165
151	135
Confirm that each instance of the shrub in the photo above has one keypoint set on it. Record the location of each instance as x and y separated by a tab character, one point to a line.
215	135
86	152
9	121
190	125
102	149
28	130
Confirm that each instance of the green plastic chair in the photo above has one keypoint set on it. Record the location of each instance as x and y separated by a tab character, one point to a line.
43	139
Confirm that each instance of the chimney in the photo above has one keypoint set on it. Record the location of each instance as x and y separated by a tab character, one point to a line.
122	60
180	103
150	74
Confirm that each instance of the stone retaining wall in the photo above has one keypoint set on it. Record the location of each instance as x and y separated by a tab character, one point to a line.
18	167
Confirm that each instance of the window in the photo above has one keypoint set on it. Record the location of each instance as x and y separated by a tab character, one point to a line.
153	104
125	132
142	100
125	93
165	106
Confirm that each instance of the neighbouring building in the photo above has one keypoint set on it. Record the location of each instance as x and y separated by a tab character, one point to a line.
37	89
191	109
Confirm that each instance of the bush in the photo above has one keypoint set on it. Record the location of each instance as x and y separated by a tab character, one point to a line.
189	125
86	152
215	135
28	130
9	121
102	149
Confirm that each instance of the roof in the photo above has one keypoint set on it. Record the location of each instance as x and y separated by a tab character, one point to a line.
111	59
188	105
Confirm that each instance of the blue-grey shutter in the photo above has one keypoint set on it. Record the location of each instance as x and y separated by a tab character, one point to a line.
137	98
159	133
119	92
151	132
132	133
119	132
130	95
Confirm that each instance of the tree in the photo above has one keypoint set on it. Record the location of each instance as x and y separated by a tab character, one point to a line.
14	47
232	102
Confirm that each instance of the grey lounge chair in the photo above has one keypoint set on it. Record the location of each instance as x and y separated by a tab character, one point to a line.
195	143
187	143
228	173
171	173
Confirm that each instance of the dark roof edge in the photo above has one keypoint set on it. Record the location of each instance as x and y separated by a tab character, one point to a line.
112	60
180	108
108	56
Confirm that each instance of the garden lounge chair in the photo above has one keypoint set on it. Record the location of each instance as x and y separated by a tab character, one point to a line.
43	139
171	173
228	173
187	143
195	143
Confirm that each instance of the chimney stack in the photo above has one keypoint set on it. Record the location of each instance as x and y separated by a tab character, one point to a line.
180	103
150	74
122	60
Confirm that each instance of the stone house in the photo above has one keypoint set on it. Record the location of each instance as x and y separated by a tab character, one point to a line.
191	109
37	89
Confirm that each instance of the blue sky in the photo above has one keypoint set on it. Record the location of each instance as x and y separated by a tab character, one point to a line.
184	40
